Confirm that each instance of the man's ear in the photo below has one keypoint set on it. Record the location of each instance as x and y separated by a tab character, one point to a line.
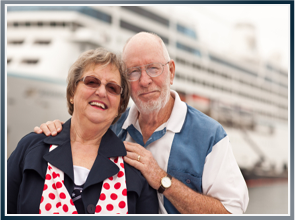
172	71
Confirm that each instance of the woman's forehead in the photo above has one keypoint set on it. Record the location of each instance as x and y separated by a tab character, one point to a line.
110	72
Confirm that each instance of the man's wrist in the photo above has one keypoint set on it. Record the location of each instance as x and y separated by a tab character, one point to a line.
166	183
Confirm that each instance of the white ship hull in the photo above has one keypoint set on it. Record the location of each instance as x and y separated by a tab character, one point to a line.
248	97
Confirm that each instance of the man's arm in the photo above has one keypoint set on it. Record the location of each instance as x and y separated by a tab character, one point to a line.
184	199
49	128
188	201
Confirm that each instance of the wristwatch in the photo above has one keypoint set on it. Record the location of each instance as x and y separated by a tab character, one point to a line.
166	182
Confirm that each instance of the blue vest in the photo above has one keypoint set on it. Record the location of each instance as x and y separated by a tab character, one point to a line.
189	149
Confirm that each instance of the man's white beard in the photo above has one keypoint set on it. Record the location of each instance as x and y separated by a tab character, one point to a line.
153	106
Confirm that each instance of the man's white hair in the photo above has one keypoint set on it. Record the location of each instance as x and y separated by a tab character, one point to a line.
164	48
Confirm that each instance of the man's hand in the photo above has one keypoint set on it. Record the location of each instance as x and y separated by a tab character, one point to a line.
49	128
146	163
185	200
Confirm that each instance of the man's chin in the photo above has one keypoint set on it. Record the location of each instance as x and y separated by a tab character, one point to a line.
149	106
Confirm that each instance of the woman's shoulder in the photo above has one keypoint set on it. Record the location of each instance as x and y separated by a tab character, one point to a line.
28	142
31	139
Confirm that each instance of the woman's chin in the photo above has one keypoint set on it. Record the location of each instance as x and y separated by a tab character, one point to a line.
100	120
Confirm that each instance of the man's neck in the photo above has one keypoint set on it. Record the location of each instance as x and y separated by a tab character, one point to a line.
150	122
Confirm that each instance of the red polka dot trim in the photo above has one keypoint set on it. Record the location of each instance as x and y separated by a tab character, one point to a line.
102	196
110	207
114	196
122	204
98	209
120	174
106	186
55	198
117	185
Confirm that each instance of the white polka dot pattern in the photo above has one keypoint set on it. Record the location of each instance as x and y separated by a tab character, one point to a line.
56	199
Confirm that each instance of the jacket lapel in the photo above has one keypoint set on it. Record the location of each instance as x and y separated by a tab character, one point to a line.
61	157
110	146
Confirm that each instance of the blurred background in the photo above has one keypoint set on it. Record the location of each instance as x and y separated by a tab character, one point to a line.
231	63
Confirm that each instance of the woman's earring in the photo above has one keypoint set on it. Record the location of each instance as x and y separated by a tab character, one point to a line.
71	101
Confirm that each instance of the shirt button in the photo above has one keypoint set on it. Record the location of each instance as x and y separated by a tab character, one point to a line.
91	209
188	181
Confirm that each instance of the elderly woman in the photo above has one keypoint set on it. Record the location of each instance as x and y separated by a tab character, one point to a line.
81	170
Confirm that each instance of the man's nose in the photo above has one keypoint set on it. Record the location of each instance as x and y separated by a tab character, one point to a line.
145	79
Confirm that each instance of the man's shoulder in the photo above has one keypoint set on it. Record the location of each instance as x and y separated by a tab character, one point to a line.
194	115
117	127
198	121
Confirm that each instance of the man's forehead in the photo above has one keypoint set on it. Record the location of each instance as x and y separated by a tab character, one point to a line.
140	55
143	59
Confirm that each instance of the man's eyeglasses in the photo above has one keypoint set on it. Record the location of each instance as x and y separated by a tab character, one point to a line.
93	82
152	69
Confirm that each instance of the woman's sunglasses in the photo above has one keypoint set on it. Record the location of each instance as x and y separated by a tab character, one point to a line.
93	82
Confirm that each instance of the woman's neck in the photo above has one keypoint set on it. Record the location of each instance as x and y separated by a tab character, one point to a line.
86	132
85	141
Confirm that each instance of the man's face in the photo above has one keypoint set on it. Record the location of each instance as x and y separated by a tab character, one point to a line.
148	93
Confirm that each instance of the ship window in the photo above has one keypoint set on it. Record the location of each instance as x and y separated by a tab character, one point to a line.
177	76
211	71
74	26
179	60
219	60
16	42
9	60
275	69
136	29
81	9
95	14
196	66
147	14
30	61
42	42
188	49
186	31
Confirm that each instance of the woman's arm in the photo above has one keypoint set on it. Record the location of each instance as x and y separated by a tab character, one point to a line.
14	177
15	171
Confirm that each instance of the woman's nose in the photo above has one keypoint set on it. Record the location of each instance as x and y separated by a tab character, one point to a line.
101	91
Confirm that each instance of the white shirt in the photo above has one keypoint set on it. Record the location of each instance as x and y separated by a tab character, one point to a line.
221	156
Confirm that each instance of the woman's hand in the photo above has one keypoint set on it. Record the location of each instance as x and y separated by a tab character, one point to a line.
49	128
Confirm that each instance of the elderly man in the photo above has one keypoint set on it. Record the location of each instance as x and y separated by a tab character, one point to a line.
182	153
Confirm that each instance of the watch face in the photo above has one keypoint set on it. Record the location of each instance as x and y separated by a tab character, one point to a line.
166	182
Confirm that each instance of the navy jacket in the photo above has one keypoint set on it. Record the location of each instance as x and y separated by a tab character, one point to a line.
27	165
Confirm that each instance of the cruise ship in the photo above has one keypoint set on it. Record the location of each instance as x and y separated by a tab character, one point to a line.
246	94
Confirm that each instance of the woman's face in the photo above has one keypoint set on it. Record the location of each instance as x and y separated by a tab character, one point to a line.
97	105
